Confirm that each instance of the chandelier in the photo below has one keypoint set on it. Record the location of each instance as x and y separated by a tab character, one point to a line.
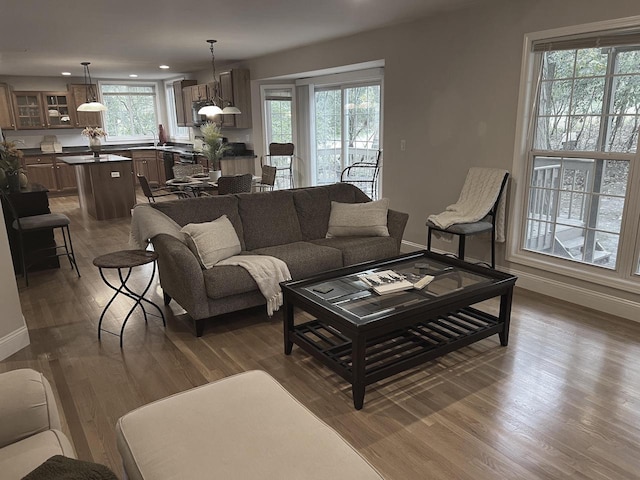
215	104
91	104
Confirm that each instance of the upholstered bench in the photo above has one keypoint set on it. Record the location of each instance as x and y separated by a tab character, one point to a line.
246	426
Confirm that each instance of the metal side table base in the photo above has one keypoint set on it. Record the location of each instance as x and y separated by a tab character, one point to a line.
127	260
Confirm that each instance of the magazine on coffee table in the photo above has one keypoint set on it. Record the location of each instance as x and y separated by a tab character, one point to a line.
389	281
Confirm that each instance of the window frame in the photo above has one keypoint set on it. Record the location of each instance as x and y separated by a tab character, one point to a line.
172	119
266	121
625	276
133	138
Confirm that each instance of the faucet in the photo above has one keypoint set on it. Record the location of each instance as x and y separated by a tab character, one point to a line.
155	138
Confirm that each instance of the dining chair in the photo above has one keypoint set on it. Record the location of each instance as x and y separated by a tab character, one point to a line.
153	193
486	224
268	179
364	174
281	156
24	226
187	169
234	184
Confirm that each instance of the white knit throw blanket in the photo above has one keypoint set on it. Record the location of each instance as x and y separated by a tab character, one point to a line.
147	222
479	193
267	272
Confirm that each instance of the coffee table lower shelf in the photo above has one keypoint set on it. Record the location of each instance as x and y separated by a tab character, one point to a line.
393	352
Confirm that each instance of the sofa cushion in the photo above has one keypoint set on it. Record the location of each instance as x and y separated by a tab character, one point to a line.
304	259
359	219
361	249
212	241
346	193
268	218
225	280
204	209
313	207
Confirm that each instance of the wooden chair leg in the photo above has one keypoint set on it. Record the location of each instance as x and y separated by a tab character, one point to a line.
429	239
461	242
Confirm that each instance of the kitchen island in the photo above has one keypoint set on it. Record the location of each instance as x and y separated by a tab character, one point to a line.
106	187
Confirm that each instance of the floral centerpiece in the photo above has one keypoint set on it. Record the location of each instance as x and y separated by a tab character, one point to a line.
213	146
94	134
11	173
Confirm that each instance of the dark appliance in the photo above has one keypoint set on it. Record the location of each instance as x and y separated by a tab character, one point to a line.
188	157
167	158
197	118
236	149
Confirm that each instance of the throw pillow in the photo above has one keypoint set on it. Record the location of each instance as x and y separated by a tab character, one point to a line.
367	219
212	241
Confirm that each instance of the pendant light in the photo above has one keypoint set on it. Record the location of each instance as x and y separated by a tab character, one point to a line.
211	106
91	104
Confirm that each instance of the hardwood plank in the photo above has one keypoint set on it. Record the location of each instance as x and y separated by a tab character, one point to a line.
561	401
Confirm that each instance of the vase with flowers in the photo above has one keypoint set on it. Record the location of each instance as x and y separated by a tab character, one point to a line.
94	134
11	174
213	147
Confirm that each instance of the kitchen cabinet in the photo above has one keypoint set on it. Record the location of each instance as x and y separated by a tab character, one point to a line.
145	162
84	119
46	170
236	89
28	110
194	93
183	111
37	110
7	120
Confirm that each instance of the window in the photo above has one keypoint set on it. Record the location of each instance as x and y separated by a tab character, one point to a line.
278	104
581	195
347	128
131	111
175	132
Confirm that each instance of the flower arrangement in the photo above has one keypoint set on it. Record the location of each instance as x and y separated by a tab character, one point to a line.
10	157
93	132
213	146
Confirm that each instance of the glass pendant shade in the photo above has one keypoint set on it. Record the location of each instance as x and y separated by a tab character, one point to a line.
91	107
210	110
231	110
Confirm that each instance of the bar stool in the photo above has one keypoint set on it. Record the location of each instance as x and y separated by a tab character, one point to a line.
122	260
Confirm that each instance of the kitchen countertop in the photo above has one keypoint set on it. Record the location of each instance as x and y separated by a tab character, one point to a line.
178	148
90	159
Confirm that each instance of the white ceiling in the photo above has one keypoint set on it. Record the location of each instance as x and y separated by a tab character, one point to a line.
121	37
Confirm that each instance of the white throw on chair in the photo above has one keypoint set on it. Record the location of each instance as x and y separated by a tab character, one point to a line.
480	208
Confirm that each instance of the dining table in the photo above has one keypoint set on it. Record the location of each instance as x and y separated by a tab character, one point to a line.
199	183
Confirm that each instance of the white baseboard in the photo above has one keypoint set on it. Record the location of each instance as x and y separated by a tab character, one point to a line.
599	301
14	342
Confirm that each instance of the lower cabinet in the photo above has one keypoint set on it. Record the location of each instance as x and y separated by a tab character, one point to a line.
47	171
145	162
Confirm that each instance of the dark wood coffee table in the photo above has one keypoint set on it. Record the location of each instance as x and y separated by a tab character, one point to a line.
365	337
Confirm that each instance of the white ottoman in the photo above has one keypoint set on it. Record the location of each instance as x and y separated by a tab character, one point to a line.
246	426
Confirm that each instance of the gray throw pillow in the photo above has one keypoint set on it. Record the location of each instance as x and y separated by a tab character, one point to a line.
367	219
212	241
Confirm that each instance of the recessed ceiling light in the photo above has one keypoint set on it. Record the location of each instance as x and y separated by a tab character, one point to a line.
66	74
164	67
133	75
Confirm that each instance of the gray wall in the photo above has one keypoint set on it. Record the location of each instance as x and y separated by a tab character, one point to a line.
451	91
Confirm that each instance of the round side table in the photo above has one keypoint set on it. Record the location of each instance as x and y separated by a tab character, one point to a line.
123	260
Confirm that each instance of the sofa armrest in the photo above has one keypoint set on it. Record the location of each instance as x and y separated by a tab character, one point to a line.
181	275
396	223
27	407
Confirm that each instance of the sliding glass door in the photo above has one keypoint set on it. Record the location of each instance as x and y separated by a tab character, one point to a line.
347	128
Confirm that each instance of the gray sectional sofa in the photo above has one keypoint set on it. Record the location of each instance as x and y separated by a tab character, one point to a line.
288	224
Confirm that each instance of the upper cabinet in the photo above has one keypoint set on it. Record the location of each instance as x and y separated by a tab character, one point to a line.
236	89
28	110
59	111
7	120
183	112
84	119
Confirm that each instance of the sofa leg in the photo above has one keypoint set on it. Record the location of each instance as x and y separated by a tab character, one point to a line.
199	327
167	298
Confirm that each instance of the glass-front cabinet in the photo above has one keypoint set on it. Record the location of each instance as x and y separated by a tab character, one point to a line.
28	110
59	111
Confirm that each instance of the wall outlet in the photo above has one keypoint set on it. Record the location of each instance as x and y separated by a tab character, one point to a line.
115	174
403	145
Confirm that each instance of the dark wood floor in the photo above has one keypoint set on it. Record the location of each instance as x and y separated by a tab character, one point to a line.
561	401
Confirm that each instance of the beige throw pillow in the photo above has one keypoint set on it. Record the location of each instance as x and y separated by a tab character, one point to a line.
212	241
367	219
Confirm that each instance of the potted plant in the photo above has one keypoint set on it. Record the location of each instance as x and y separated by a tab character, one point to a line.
213	148
11	173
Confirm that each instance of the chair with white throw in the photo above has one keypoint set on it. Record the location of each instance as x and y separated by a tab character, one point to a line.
480	208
